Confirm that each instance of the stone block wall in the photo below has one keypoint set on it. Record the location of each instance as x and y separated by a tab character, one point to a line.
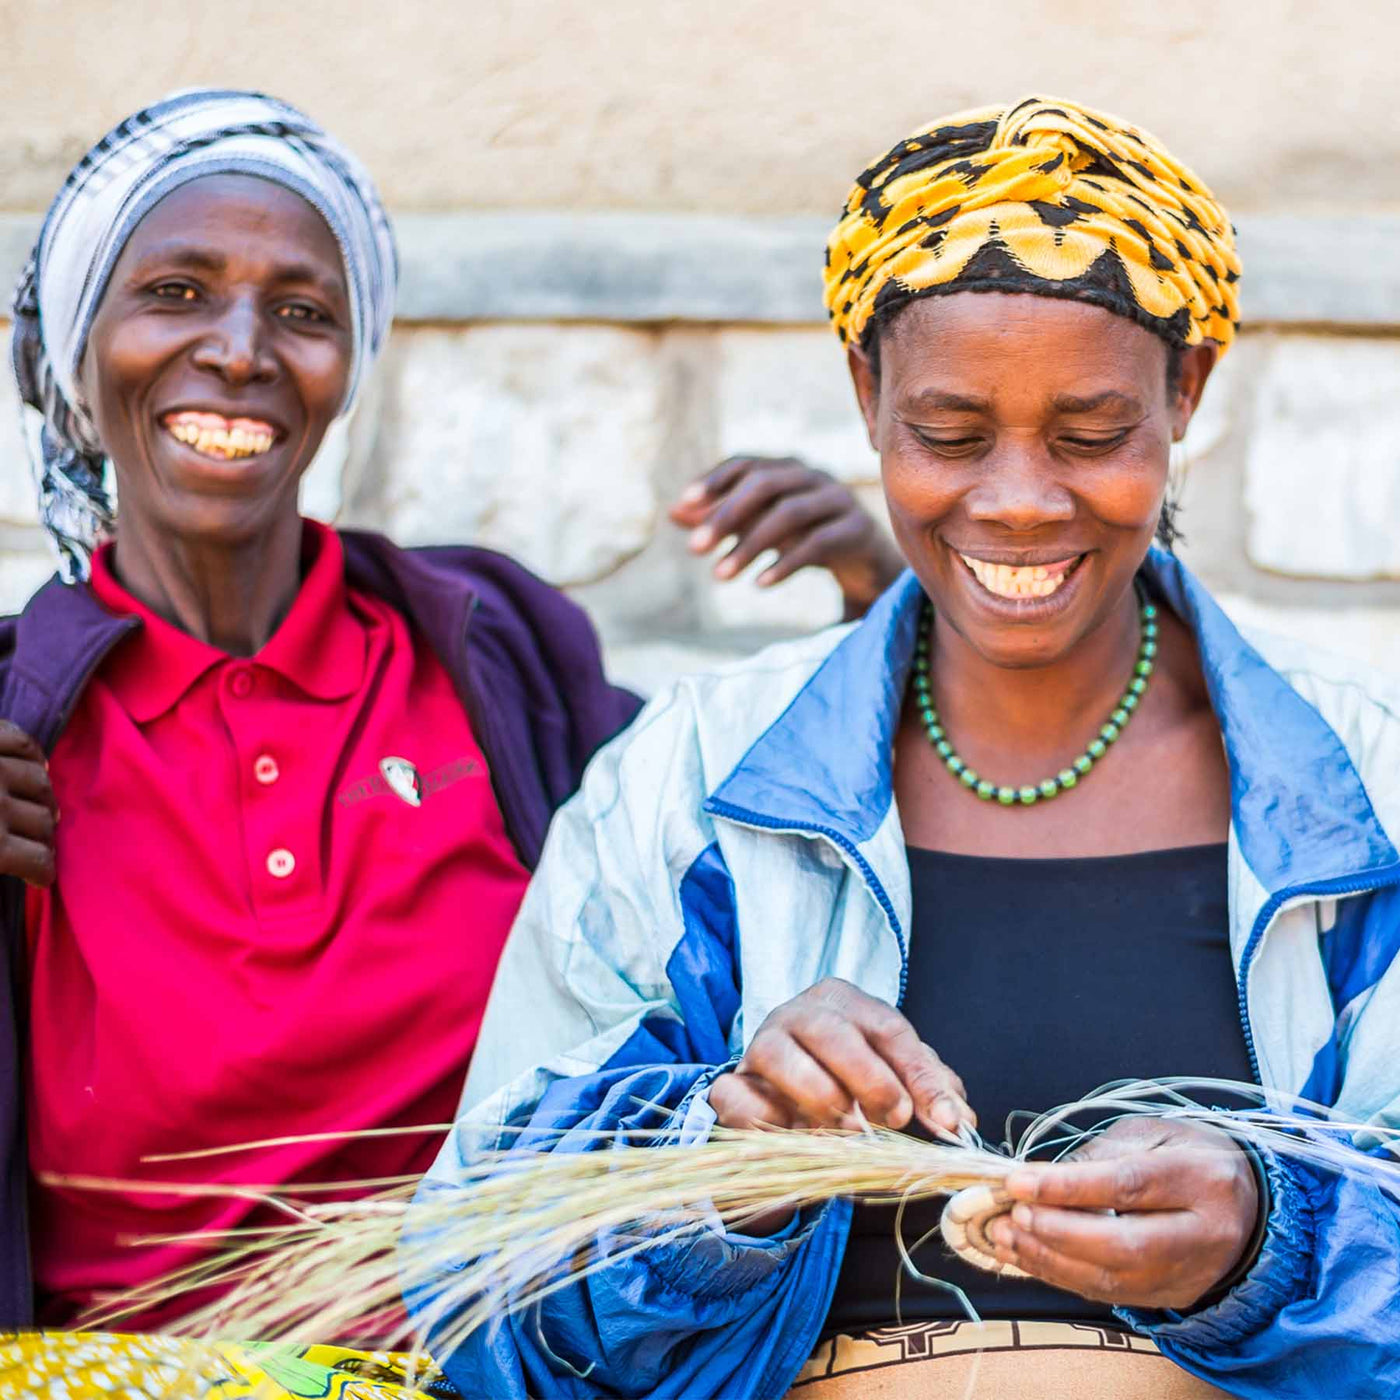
561	435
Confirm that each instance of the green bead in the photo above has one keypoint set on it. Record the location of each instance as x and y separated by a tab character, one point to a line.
1066	778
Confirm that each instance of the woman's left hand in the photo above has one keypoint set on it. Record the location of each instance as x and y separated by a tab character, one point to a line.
1185	1202
808	517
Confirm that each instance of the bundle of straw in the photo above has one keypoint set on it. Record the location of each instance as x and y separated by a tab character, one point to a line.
517	1225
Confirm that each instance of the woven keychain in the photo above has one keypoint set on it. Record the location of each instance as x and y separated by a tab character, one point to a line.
964	1223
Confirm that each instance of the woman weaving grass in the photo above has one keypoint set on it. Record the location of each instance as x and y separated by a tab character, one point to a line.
303	774
1045	800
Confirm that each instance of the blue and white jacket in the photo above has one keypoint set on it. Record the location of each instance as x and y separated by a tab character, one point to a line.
740	842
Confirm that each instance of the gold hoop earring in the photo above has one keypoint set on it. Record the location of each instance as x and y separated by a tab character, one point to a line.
1178	465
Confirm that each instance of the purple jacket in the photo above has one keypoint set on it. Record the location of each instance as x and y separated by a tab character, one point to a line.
526	664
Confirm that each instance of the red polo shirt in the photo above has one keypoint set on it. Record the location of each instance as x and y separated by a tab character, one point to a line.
283	886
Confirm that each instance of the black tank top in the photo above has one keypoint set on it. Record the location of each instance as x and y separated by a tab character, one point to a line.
1037	981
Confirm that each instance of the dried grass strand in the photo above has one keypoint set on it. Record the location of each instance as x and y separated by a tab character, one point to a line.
515	1226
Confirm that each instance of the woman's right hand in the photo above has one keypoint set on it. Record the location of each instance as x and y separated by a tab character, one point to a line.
28	808
830	1050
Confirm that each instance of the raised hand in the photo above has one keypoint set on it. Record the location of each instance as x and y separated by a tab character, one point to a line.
807	516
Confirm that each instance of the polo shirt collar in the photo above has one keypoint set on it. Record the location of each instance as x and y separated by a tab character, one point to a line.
319	646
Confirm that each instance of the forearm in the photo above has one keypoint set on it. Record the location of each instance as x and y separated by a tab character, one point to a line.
708	1302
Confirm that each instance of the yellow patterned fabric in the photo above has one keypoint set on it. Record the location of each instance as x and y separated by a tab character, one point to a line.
1044	196
99	1366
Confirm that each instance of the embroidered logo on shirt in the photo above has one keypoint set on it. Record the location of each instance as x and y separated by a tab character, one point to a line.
402	778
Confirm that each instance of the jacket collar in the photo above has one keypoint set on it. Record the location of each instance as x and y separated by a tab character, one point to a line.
1299	808
60	639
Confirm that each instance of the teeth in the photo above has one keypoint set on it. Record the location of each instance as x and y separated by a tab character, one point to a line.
210	436
1034	581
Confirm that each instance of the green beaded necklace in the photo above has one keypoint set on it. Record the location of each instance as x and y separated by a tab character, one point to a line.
1067	777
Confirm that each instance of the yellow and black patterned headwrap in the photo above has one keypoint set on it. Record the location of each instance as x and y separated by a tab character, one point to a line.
1044	197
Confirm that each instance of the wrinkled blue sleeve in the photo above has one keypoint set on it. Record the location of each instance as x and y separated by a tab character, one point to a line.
1319	1313
613	1009
709	1314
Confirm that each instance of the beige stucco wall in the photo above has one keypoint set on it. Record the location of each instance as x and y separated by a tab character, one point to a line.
559	435
729	105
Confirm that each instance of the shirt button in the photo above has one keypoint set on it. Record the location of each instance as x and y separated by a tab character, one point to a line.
265	769
242	684
281	863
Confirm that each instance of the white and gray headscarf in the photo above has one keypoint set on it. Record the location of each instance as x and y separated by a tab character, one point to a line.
184	136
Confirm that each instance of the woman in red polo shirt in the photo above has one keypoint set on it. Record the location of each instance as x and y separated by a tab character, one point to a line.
302	775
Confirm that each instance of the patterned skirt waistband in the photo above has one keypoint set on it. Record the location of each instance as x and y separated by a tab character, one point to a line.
1006	1360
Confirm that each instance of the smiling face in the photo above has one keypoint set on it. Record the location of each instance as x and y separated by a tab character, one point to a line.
220	354
1024	445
